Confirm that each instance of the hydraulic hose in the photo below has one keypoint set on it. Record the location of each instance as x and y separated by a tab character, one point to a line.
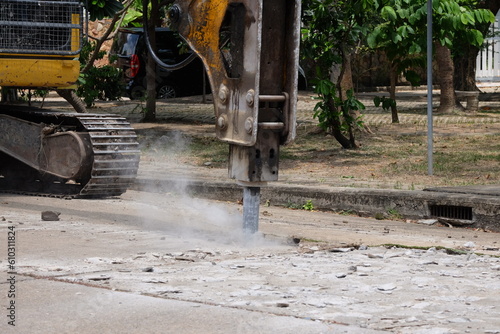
151	50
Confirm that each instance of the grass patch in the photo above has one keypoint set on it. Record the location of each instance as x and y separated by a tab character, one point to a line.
209	149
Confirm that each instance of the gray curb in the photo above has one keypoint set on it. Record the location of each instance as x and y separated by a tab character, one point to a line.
484	209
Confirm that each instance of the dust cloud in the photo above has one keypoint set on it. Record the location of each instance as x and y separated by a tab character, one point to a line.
167	206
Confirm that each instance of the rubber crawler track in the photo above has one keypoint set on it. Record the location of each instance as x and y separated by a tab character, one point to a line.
115	153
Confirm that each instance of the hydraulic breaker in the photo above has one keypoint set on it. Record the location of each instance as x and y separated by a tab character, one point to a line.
250	49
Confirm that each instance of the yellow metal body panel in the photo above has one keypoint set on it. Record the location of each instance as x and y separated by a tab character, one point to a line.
203	31
75	33
17	72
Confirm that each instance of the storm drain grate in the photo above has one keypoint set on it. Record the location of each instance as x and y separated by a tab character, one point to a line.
451	211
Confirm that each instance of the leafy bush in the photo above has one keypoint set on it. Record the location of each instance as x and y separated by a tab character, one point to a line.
308	206
98	83
333	113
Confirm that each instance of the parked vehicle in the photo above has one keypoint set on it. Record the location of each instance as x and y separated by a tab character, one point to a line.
130	50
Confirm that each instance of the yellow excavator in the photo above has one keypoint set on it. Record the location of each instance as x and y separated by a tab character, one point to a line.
47	152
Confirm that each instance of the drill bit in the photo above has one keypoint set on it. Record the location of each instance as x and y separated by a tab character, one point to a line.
251	202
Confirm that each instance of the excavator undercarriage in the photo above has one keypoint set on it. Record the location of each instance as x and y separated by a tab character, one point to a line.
66	154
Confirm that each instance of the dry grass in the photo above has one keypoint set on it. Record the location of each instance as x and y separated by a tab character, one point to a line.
395	156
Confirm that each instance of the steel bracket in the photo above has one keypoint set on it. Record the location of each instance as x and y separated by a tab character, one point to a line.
237	40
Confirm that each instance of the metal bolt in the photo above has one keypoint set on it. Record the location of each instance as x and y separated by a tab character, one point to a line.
249	124
250	97
222	122
223	93
174	13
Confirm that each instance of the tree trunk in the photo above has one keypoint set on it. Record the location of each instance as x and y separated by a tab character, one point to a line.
150	112
335	129
445	68
9	94
344	84
392	93
465	69
70	96
345	78
464	59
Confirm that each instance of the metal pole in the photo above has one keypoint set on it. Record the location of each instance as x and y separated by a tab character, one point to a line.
251	202
430	124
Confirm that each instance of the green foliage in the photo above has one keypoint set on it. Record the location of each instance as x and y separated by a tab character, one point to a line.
347	212
332	31
293	206
98	83
405	24
394	214
331	111
100	9
28	94
133	17
308	206
401	36
385	102
402	32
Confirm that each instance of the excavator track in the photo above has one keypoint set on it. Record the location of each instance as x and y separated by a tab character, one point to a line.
111	153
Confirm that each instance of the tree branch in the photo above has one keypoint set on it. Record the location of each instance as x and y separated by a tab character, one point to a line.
118	17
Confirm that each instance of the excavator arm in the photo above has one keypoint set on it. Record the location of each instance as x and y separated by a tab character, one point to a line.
250	49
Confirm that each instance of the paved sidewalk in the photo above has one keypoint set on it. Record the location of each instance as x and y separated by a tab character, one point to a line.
190	109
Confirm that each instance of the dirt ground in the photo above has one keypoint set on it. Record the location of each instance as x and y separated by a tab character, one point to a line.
395	157
465	146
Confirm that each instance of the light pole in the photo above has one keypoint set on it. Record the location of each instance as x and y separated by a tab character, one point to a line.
430	124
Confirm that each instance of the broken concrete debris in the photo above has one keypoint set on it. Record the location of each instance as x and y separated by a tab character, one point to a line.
50	215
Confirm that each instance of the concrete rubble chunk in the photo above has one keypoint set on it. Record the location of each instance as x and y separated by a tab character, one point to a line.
341	250
469	244
375	256
427	221
50	215
99	278
456	222
387	287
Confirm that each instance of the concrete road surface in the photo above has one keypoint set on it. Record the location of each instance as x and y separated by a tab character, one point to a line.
165	263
